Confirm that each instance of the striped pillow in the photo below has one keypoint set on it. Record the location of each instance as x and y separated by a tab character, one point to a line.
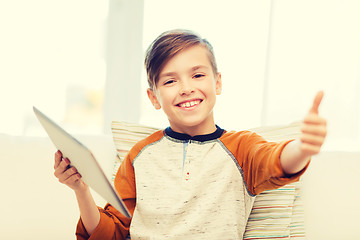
276	214
125	135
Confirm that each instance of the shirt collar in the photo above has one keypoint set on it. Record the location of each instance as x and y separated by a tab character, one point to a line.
200	138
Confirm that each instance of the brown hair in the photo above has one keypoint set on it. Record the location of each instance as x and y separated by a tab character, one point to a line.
166	46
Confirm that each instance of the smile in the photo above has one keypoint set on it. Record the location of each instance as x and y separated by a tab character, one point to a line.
189	104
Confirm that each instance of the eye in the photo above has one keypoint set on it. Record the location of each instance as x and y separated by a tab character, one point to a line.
168	82
199	75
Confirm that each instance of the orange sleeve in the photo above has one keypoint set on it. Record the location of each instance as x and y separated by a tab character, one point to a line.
259	160
114	225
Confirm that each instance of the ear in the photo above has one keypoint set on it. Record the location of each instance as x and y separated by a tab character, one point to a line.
218	84
153	99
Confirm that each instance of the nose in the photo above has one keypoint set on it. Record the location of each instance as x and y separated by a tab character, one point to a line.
186	87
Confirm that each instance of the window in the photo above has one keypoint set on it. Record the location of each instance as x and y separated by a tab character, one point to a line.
52	56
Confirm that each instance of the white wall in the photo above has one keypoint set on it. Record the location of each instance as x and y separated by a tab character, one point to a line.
274	56
315	45
124	58
238	31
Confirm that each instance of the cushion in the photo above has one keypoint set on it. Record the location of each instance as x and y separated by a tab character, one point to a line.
125	135
276	214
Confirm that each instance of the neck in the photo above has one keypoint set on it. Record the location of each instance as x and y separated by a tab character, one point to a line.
195	130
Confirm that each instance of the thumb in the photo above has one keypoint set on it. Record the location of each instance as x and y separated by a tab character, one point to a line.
317	100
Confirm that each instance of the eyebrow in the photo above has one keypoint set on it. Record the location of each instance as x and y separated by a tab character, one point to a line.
198	67
171	74
168	74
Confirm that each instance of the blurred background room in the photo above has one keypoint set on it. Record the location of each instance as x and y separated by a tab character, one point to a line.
81	63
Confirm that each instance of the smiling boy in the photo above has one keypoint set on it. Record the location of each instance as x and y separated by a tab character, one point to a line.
186	90
192	180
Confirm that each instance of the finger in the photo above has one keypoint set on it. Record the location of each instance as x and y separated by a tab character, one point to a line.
310	149
58	156
67	174
318	130
64	164
317	100
312	139
314	119
72	179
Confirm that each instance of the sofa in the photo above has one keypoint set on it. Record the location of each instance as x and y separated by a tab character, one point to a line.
34	205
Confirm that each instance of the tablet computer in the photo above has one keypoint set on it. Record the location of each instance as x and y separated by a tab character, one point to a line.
83	160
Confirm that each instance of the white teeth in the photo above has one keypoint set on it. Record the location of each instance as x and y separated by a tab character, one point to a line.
190	104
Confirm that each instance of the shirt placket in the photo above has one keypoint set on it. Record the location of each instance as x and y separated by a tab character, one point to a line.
186	176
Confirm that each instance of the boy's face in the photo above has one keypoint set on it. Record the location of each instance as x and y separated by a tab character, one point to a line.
187	90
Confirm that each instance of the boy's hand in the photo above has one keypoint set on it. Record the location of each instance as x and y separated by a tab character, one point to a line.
69	176
66	174
313	129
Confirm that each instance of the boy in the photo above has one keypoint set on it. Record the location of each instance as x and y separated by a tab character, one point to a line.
192	180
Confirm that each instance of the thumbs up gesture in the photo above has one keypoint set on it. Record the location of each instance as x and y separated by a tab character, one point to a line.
313	129
296	155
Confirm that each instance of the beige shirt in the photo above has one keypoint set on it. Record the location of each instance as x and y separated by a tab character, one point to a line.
179	187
